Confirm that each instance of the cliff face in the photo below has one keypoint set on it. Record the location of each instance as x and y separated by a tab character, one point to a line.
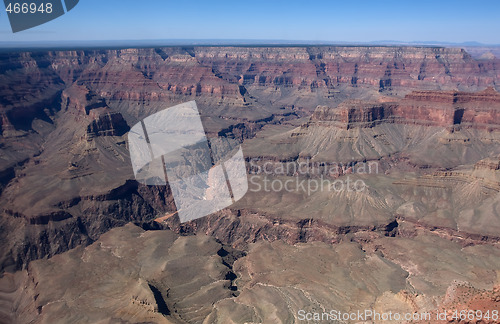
223	77
109	124
429	108
381	67
447	108
355	113
161	73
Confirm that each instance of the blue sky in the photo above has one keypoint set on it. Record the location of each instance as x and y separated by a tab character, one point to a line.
355	21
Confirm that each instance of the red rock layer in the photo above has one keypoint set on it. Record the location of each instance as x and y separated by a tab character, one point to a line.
433	108
381	67
355	113
447	108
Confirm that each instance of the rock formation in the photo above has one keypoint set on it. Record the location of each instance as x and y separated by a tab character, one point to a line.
426	116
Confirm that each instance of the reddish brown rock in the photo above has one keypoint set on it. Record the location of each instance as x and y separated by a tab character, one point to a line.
355	113
430	108
108	124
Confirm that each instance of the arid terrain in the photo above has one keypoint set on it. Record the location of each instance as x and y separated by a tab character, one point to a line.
374	184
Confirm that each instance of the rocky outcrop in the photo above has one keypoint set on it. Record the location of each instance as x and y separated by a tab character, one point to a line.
480	110
354	113
488	164
449	108
108	124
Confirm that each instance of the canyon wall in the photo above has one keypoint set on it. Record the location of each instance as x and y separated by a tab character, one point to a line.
429	108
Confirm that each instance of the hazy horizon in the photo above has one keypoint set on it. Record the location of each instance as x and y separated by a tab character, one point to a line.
134	43
444	22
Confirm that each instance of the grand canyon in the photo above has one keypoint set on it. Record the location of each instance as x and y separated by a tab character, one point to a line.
83	242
